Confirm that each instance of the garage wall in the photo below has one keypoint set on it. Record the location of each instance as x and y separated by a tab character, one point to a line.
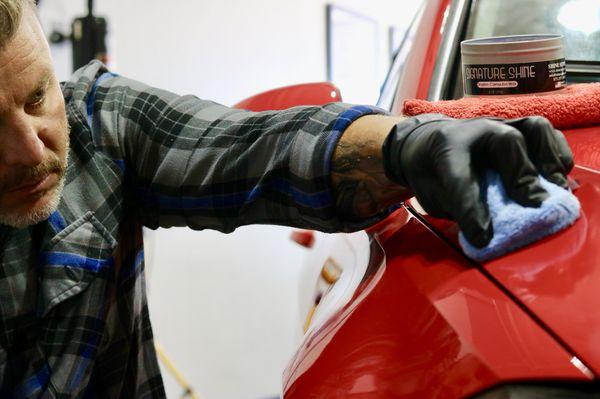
223	306
225	50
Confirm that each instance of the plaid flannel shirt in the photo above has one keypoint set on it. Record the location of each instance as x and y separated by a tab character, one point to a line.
72	292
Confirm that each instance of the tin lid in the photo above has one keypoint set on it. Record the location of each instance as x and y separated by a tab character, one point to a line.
512	44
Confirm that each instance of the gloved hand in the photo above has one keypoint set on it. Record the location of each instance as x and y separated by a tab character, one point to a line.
442	159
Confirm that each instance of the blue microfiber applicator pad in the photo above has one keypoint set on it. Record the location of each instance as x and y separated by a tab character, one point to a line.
515	225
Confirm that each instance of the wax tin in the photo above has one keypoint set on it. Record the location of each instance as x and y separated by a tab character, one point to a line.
513	65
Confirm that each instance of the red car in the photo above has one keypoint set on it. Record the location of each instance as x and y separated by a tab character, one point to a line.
403	313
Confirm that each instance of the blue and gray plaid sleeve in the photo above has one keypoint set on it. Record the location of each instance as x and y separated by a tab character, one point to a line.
195	163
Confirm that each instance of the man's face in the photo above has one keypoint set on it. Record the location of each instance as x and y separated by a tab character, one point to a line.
33	128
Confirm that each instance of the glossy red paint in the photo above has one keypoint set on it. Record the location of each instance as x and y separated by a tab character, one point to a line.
291	96
557	279
585	144
426	324
432	49
389	226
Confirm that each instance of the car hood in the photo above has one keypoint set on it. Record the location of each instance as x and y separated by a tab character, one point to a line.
557	280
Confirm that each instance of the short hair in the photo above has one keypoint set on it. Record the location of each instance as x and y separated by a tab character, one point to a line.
11	13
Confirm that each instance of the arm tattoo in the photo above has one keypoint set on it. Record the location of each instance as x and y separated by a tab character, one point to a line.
360	185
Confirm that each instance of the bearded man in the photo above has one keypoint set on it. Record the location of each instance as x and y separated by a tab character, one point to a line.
86	163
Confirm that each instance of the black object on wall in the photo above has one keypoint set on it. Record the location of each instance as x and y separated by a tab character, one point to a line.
89	38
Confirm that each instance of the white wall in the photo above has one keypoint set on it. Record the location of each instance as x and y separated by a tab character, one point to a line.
223	306
224	50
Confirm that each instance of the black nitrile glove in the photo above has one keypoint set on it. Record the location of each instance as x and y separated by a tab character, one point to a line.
442	160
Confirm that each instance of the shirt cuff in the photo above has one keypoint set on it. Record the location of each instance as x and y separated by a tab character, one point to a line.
345	114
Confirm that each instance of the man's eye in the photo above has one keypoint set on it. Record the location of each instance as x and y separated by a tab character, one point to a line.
37	100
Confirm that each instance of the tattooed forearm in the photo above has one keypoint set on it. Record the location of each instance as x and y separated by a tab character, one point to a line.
360	185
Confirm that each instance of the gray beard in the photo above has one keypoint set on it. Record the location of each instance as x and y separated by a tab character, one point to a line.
34	216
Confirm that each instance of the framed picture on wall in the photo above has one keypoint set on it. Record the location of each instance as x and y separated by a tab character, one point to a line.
353	55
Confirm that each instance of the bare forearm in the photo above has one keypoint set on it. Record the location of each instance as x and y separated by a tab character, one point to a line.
360	185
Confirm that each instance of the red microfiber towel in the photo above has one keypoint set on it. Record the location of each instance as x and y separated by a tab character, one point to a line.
574	106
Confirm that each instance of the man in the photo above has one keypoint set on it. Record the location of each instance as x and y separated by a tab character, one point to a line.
85	164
